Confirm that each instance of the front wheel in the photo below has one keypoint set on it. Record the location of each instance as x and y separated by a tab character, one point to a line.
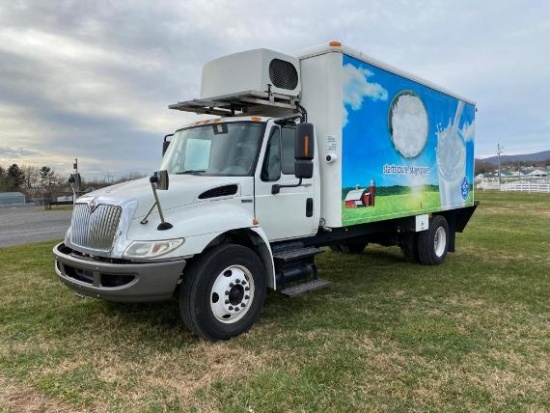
433	244
223	292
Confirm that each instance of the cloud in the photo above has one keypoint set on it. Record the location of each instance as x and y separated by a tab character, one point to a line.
357	87
16	153
91	79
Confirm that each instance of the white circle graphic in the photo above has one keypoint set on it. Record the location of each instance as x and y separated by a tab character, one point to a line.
408	124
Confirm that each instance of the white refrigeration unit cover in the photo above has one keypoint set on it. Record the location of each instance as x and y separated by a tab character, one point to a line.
252	70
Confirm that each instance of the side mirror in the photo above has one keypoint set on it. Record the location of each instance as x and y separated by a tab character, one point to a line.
75	181
166	143
160	180
303	151
304	143
303	169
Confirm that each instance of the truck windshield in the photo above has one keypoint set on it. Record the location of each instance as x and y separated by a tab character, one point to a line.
215	149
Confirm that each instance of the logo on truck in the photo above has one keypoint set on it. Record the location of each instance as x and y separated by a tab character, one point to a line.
92	205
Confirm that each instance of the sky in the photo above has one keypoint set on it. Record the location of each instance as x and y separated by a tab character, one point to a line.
93	79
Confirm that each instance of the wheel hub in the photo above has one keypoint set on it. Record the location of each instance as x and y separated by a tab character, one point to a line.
232	294
236	294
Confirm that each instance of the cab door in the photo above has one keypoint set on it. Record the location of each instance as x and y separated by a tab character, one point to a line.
292	212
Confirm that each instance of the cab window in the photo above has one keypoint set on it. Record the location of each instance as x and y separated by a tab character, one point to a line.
271	168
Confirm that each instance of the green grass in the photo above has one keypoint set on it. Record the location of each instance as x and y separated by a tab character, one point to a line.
392	206
470	335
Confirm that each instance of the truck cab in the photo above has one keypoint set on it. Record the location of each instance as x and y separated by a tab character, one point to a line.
236	187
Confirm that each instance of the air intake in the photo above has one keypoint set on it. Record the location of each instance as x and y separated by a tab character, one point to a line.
220	191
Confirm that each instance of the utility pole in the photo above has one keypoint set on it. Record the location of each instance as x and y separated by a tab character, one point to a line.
499	151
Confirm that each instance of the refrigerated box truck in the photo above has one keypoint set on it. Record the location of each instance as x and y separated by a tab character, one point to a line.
327	149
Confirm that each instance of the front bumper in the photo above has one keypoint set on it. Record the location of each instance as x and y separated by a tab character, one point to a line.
127	282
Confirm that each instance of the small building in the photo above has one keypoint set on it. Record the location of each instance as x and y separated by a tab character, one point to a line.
36	195
538	173
357	198
8	199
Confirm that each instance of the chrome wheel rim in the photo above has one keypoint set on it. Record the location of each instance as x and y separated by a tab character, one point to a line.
232	294
440	241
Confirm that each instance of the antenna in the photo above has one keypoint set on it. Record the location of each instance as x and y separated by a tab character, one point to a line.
499	151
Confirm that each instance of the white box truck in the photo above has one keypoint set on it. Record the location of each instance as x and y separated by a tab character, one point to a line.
327	149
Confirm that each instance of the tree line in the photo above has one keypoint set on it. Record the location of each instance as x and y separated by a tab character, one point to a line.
17	178
27	178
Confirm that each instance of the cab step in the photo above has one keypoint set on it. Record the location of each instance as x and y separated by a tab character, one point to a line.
305	287
296	254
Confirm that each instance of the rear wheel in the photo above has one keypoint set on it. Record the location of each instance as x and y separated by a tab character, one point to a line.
433	244
223	292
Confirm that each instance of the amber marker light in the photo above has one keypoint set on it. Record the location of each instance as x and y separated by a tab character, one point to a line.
335	43
256	118
255	222
306	146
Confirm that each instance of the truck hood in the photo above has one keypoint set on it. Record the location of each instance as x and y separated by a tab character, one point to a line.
183	190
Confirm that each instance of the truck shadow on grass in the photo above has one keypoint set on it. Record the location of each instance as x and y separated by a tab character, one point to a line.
352	276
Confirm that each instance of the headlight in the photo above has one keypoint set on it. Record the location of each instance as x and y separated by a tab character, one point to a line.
152	249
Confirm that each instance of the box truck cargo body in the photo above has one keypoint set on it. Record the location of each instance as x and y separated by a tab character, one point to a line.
329	148
409	140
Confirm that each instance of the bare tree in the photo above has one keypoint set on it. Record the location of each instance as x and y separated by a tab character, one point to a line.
50	180
130	176
31	174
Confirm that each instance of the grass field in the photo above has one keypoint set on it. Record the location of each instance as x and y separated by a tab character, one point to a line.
470	335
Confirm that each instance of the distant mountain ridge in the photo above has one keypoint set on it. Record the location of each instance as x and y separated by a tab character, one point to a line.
530	158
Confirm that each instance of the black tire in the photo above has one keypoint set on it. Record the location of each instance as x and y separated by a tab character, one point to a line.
223	292
409	246
350	247
433	244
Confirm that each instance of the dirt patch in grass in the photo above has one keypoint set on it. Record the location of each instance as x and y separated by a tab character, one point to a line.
207	362
24	399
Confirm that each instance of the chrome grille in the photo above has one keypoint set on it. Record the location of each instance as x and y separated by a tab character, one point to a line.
95	230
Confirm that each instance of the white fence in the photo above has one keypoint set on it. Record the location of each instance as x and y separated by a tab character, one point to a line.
525	186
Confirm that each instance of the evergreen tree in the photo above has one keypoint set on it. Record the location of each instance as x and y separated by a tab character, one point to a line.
15	178
46	175
3	179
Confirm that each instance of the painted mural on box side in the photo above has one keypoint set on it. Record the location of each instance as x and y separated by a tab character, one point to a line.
407	149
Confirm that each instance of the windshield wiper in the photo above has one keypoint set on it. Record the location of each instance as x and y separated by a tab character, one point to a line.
192	172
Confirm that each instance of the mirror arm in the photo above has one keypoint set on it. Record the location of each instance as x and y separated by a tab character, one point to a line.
276	188
75	183
144	220
287	120
163	224
74	192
